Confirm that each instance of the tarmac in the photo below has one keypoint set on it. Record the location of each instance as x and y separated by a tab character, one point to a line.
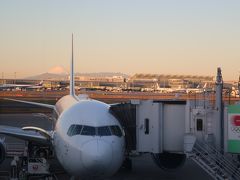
143	166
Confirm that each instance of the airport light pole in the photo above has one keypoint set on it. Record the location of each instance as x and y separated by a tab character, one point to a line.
15	76
2	77
219	108
229	95
239	85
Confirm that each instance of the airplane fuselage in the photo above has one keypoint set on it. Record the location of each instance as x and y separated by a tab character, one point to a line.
88	140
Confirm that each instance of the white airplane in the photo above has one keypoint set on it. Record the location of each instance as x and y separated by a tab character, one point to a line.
163	90
198	89
181	90
27	86
87	139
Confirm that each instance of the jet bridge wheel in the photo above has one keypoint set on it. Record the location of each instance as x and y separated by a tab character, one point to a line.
127	164
169	161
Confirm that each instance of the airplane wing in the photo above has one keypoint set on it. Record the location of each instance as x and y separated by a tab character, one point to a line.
27	135
33	103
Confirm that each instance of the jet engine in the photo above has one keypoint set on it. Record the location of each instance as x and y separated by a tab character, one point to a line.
169	161
2	151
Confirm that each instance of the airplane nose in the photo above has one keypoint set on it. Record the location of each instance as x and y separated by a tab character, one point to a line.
96	156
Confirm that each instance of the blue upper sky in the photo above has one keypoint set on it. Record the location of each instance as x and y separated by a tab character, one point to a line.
130	36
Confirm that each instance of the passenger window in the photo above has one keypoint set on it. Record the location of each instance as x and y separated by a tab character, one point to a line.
116	131
104	131
88	131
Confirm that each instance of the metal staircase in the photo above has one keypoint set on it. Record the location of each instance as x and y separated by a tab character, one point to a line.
218	165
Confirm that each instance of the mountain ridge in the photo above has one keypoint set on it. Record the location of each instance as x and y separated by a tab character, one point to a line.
63	76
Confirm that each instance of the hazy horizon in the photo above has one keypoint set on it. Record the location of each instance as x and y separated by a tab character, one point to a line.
128	36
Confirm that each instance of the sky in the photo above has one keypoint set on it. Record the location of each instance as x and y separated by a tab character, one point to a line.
188	37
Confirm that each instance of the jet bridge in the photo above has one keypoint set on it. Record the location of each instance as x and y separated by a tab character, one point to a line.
126	114
162	127
153	126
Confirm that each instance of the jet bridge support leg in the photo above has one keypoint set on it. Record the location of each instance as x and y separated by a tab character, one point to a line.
127	164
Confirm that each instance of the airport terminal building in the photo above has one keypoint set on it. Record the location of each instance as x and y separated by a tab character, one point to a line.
170	81
137	81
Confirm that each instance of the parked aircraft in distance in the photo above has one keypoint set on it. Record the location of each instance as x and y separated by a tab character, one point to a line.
182	90
20	86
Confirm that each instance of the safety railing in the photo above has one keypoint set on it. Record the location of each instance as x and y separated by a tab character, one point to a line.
214	162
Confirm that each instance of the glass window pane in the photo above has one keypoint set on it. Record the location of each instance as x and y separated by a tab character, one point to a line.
146	124
199	124
74	129
88	130
70	130
104	131
77	130
116	131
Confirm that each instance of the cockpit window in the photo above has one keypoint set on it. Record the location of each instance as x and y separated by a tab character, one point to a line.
116	131
76	129
70	130
103	131
88	130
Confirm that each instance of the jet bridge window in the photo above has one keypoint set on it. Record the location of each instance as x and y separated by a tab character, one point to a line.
199	124
146	124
